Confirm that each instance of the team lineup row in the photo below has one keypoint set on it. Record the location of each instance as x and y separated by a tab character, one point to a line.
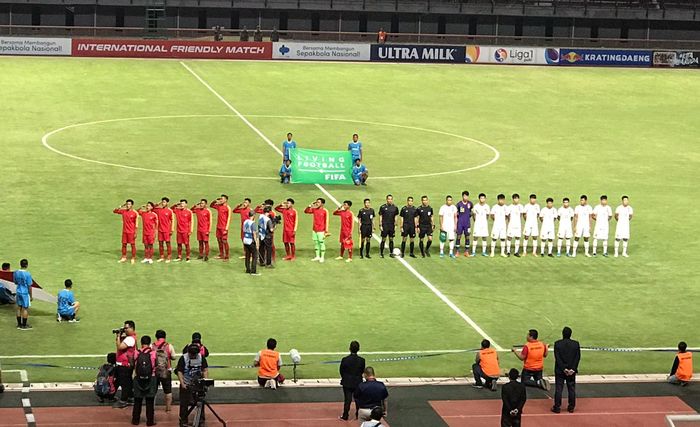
463	219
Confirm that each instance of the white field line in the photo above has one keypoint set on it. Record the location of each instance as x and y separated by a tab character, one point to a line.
422	279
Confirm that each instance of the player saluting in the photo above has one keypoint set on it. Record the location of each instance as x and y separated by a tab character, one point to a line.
623	216
481	213
448	226
355	149
223	220
150	225
464	218
289	233
565	214
515	225
547	216
286	146
347	222
387	224
407	223
531	213
498	230
185	226
320	227
366	218
166	227
130	225
203	215
601	214
582	224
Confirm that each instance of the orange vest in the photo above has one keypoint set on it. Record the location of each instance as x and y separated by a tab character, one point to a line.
535	356
488	360
268	364
685	366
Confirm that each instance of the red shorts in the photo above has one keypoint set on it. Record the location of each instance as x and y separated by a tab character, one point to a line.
148	239
129	238
183	238
221	233
346	241
203	236
289	236
165	236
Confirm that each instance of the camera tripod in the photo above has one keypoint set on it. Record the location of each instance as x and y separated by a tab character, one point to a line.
198	409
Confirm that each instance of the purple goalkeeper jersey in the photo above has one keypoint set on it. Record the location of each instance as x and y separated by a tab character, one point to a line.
464	213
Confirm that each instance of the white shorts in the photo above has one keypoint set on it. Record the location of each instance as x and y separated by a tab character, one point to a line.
547	233
583	231
622	232
451	234
565	233
601	233
481	229
514	232
498	232
531	230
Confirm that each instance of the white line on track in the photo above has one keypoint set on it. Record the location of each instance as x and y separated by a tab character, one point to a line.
405	263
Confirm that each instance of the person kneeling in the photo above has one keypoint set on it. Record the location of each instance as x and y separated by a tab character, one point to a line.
286	172
67	305
486	366
269	362
359	173
682	370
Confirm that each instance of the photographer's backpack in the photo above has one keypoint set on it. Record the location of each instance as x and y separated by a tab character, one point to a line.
144	365
162	359
104	383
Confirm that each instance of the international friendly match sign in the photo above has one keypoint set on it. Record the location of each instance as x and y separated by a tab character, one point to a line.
320	166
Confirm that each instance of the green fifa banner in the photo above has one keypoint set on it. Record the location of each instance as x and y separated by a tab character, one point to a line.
320	166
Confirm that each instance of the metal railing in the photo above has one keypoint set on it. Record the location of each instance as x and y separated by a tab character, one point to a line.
450	39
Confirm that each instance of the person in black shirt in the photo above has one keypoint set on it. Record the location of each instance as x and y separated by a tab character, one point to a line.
407	223
514	396
197	339
351	368
567	354
387	217
366	219
191	367
425	224
370	394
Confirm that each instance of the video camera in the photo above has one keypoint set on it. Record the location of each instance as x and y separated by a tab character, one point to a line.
200	387
119	331
277	219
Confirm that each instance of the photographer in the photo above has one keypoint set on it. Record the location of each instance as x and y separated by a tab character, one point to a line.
191	368
126	348
266	230
145	383
197	340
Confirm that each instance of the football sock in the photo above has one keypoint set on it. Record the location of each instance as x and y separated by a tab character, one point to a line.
427	245
605	246
517	245
19	320
585	246
124	251
421	247
411	245
483	245
286	248
503	247
170	249
201	248
381	247
226	249
221	249
391	246
179	250
466	245
524	246
541	247
367	246
362	247
187	251
403	248
624	247
568	245
206	248
452	247
349	253
24	322
160	249
493	246
317	248
133	251
442	247
322	247
616	245
559	246
549	246
575	246
508	245
342	250
595	246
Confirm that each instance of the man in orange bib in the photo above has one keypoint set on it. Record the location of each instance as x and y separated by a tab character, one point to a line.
486	366
533	354
682	370
269	362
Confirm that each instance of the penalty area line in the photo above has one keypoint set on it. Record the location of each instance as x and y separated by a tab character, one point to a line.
403	262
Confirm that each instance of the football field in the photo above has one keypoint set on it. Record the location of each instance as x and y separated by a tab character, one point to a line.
80	136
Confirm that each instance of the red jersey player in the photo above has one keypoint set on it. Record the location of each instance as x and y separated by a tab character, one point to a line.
150	225
166	227
129	227
223	220
185	226
203	227
347	222
320	227
260	209
289	216
243	209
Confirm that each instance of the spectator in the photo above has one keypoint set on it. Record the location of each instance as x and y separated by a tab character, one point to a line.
567	354
375	418
351	368
381	36
165	354
126	348
533	354
145	384
191	367
258	36
244	34
514	396
682	369
67	305
197	340
269	362
274	35
486	366
369	395
23	294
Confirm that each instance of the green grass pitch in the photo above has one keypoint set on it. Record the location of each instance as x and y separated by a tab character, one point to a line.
559	131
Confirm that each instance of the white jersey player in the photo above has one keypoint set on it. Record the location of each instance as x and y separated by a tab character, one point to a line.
582	224
566	215
515	224
499	212
623	216
602	214
531	213
481	213
548	215
448	225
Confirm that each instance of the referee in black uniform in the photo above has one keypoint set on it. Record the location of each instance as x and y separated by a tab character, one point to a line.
387	217
366	219
425	224
408	226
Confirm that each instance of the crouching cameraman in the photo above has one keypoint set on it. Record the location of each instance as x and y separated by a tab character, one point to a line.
191	368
